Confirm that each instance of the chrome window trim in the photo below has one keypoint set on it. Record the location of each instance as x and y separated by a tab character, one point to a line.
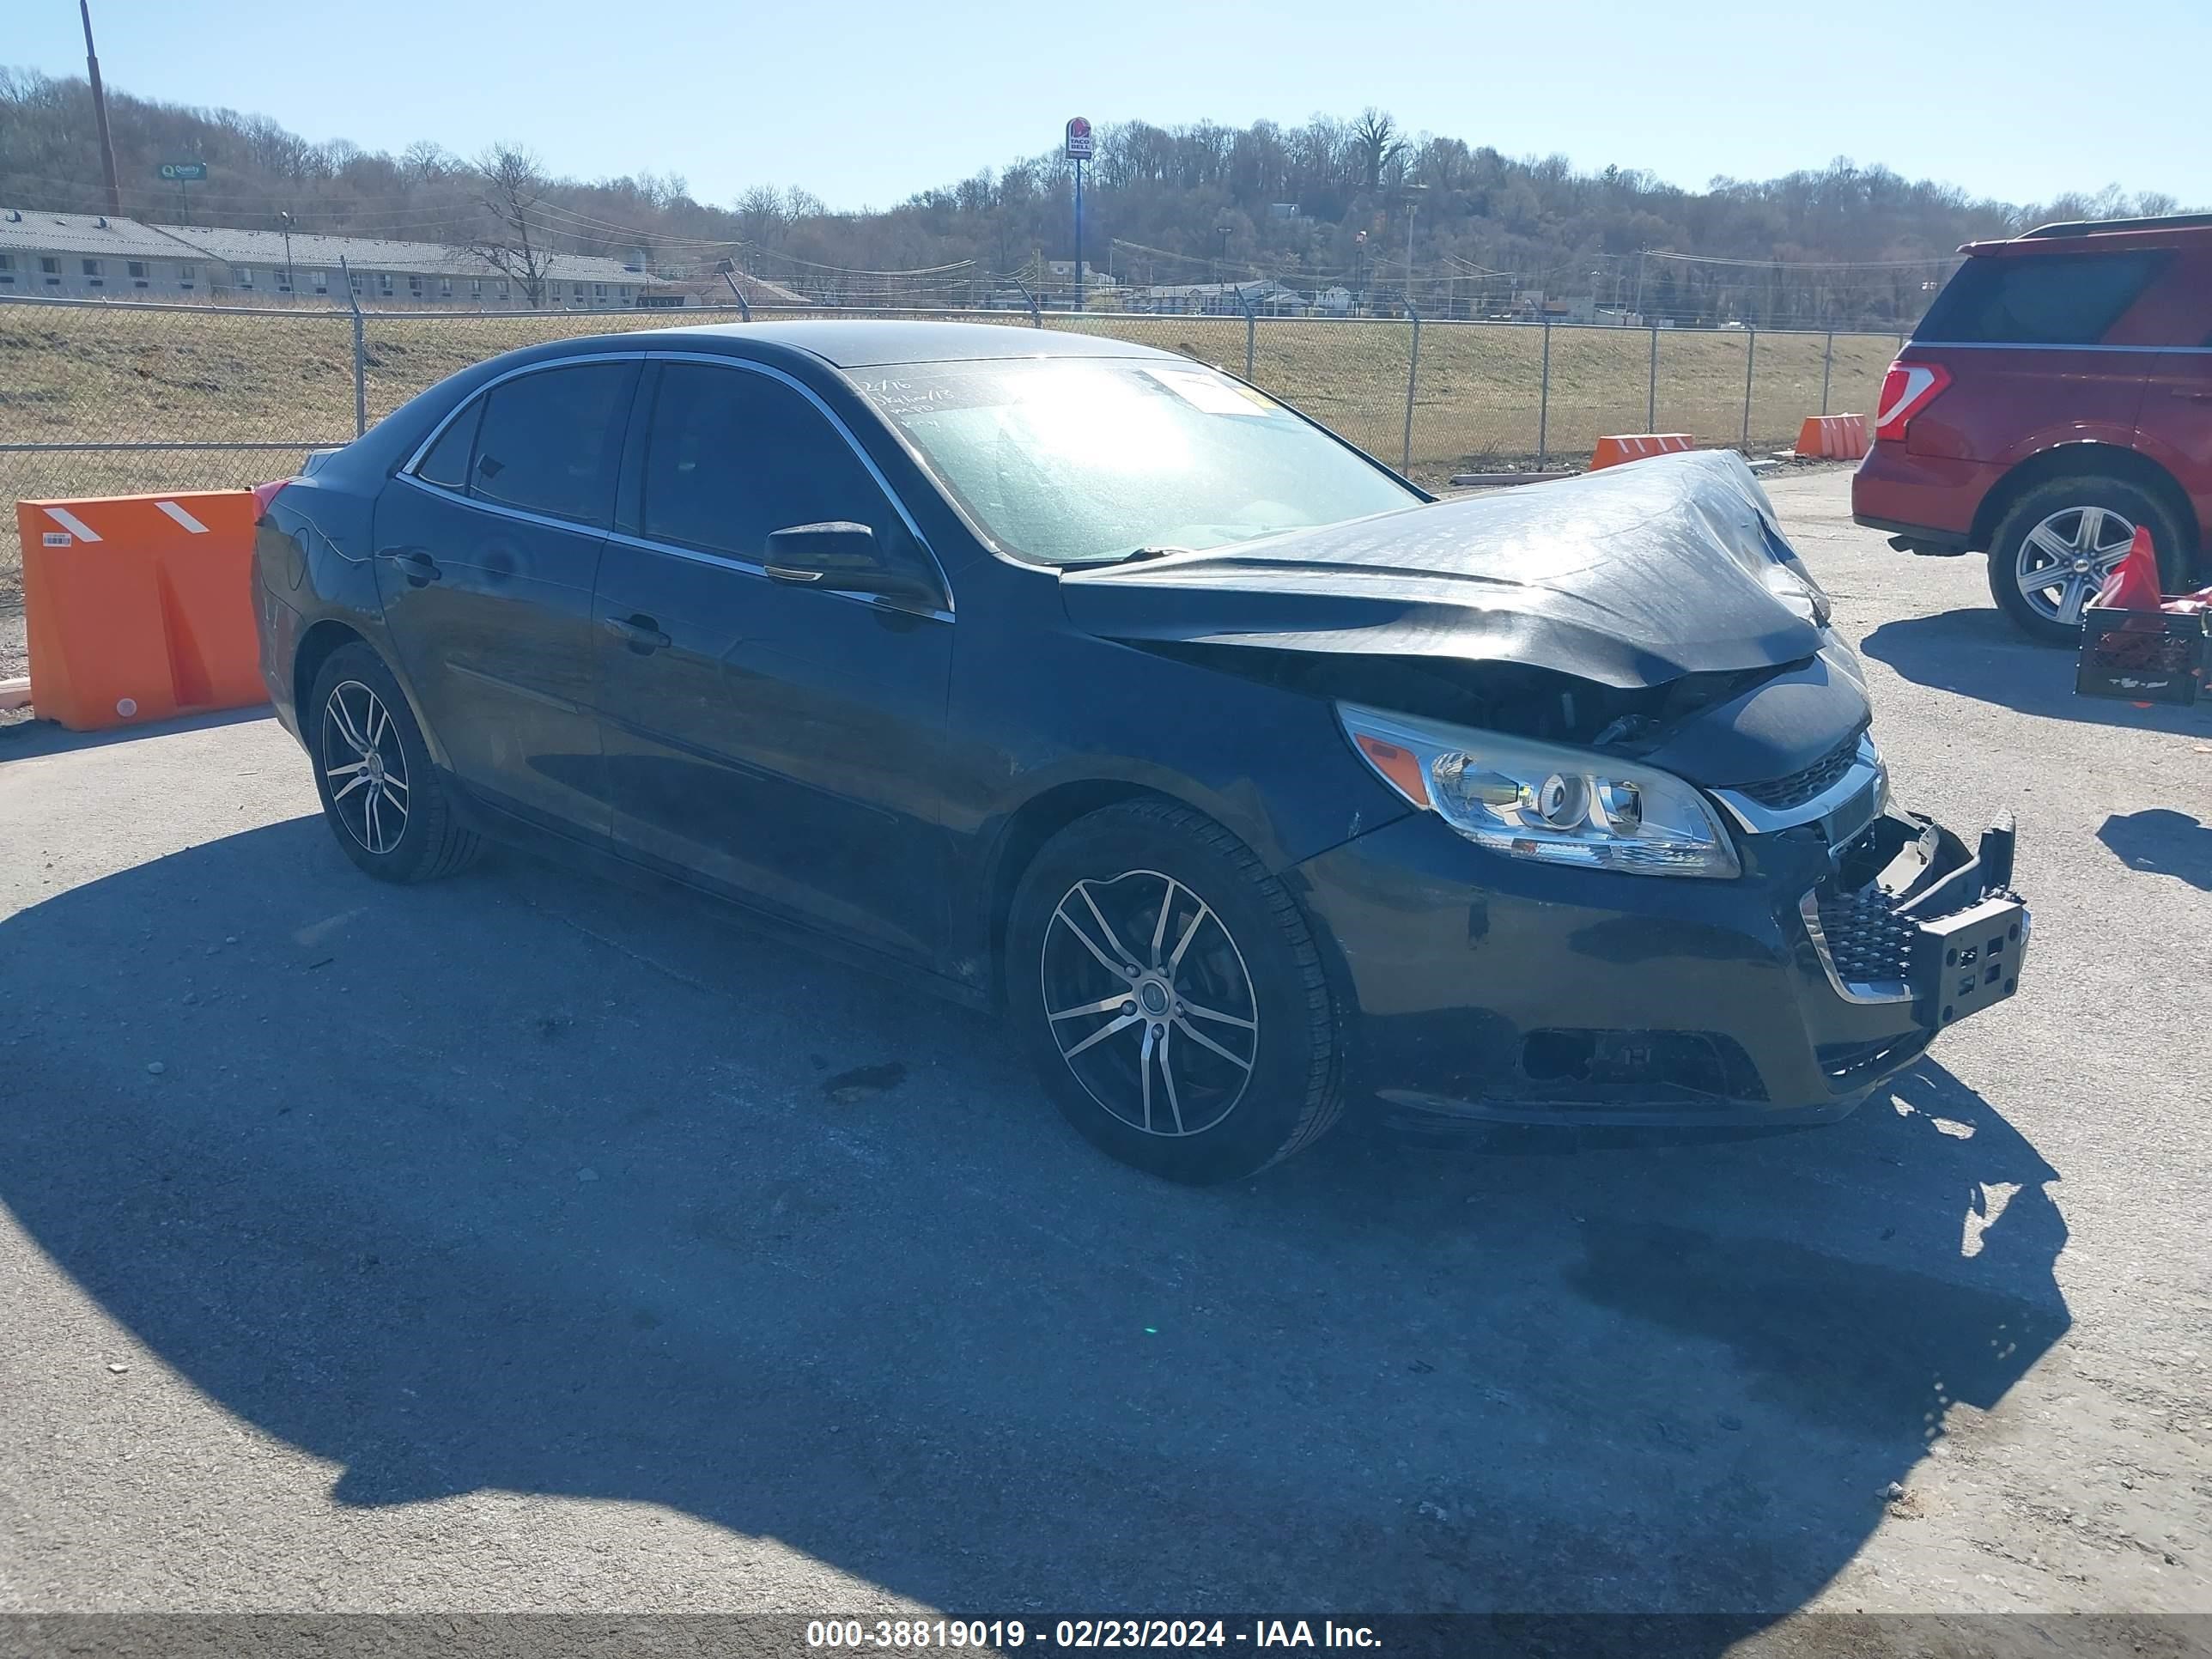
1877	990
408	470
1867	772
500	509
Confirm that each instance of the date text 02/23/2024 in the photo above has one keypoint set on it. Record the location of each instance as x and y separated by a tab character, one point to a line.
895	1635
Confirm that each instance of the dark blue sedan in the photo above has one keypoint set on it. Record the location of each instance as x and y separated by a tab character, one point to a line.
1088	682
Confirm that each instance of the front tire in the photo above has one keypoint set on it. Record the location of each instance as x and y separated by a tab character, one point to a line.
380	792
1170	993
2053	550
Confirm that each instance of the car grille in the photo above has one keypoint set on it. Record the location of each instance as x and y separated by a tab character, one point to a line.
1799	786
1865	942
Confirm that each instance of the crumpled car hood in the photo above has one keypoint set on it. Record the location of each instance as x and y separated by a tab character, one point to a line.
1630	577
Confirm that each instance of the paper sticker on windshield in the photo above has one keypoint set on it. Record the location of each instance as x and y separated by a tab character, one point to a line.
1210	393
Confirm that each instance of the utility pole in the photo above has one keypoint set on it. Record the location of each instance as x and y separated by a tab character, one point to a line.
99	113
1412	213
287	218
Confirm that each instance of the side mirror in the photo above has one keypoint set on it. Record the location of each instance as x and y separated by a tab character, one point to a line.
842	557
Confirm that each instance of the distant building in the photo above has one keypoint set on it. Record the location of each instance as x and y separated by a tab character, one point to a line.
1532	306
1267	296
89	257
83	256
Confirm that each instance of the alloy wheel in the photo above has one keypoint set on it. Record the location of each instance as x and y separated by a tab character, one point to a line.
1150	1002
364	766
2064	560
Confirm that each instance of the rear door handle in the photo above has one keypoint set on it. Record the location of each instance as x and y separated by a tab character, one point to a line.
641	633
2196	394
416	566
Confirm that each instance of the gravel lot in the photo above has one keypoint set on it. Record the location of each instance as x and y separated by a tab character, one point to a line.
516	1242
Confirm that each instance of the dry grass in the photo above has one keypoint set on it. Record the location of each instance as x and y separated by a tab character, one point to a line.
70	374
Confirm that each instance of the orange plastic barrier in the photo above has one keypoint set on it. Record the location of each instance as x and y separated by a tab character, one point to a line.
1636	446
1834	437
139	607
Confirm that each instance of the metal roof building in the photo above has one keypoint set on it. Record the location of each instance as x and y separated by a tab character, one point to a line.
87	256
27	230
423	273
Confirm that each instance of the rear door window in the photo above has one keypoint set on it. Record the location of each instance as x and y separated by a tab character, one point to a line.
448	462
2044	299
733	456
551	442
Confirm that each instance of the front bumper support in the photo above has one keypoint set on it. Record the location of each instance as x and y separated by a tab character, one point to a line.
1491	990
1913	941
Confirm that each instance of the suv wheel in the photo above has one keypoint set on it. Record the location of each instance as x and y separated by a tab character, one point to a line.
1171	996
2053	550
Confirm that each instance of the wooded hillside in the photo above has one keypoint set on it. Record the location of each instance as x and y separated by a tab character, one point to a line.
1840	244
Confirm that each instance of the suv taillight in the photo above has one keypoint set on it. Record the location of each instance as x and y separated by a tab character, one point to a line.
1907	390
263	496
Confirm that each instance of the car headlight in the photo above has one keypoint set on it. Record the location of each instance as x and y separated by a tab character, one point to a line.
1541	801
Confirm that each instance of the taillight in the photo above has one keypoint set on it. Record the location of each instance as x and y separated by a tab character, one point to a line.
1907	390
265	495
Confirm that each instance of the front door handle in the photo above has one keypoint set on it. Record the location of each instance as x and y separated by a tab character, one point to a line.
2196	394
641	633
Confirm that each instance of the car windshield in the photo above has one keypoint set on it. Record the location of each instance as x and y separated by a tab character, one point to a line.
1072	461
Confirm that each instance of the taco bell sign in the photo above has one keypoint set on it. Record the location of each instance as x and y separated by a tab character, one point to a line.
1078	139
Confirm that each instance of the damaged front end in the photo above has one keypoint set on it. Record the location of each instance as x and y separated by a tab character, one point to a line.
1503	993
1609	612
1628	675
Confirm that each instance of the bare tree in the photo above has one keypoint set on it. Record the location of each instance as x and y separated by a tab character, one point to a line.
761	216
513	186
425	162
1375	144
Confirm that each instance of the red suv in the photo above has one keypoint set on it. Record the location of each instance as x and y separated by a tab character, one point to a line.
2057	394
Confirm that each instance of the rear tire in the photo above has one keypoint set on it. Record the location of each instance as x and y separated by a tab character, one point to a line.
381	793
2055	545
1196	1037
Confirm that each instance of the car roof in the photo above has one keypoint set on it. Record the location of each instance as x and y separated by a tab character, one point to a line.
859	343
2101	235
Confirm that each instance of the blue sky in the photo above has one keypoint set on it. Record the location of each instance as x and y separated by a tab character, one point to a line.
864	101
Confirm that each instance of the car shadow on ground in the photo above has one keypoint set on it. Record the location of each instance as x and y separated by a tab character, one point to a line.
526	1182
2162	842
1976	652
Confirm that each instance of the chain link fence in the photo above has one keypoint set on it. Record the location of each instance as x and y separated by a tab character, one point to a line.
101	398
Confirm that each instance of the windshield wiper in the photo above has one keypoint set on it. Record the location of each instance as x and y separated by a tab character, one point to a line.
1137	553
